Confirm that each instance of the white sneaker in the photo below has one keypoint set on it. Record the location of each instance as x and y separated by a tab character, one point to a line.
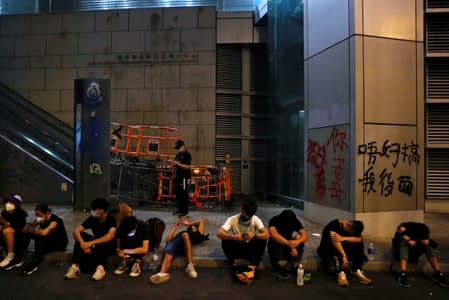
7	260
121	268
191	271
99	274
135	270
72	272
160	278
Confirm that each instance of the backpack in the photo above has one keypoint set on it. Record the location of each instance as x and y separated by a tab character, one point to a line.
156	229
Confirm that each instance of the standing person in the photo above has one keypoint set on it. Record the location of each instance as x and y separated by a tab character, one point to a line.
89	251
286	243
49	234
244	236
341	243
179	245
133	240
181	165
410	241
12	221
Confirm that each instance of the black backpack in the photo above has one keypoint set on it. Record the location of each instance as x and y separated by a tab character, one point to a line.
156	229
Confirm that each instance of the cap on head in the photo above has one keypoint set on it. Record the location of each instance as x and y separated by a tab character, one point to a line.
179	144
14	199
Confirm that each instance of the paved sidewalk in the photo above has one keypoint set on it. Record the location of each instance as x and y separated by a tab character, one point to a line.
209	253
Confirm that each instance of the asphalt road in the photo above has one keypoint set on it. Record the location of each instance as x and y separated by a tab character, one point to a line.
48	283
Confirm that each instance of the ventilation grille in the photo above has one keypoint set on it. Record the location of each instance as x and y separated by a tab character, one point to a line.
228	146
259	173
438	124
438	78
259	149
229	103
229	68
437	3
437	33
437	174
229	126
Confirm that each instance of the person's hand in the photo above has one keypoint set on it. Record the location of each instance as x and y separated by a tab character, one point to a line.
121	253
411	243
344	262
248	236
87	250
424	242
85	245
336	237
294	252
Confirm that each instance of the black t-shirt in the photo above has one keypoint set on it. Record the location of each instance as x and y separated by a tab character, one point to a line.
135	241
415	231
17	218
59	233
326	240
186	159
284	227
98	228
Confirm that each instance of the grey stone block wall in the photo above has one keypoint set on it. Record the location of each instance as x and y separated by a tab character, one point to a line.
161	63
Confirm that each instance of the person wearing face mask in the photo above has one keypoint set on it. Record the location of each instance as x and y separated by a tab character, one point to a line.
244	236
12	222
92	252
49	234
133	242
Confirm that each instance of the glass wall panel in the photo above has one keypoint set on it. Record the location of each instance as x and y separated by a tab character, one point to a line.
286	59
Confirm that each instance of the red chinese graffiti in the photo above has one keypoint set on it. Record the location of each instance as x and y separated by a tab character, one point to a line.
317	158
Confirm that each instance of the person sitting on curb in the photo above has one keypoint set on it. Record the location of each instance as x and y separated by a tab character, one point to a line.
89	251
286	243
119	209
49	234
341	243
410	241
244	236
179	245
133	242
12	221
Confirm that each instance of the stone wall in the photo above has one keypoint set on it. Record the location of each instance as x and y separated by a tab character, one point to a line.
161	63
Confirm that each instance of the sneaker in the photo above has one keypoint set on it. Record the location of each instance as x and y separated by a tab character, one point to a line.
361	277
122	268
14	263
135	270
6	260
190	269
30	268
72	272
342	280
160	278
99	274
439	278
404	281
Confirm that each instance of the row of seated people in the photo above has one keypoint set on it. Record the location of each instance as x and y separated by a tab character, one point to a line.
243	236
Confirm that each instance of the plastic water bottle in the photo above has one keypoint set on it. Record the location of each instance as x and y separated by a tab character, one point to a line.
300	278
371	251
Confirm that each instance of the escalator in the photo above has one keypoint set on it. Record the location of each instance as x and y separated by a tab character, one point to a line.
45	141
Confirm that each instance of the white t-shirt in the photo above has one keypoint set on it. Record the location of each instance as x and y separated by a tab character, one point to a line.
234	225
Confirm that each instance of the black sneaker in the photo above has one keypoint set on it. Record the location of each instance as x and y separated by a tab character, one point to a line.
30	268
404	281
439	278
15	262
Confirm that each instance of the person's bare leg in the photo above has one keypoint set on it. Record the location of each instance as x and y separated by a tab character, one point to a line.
434	263
166	263
187	247
8	237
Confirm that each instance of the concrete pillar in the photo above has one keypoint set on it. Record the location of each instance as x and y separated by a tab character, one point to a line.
92	141
364	112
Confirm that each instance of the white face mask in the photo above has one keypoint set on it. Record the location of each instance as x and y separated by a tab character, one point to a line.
9	206
93	214
40	220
